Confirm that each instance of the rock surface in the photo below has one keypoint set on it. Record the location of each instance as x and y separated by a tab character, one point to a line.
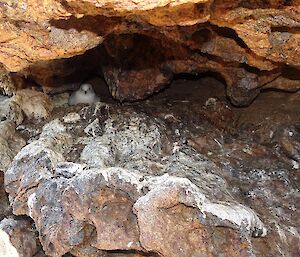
17	238
137	46
105	181
10	144
5	210
34	105
7	85
185	174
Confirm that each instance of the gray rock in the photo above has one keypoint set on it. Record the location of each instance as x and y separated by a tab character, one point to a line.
107	201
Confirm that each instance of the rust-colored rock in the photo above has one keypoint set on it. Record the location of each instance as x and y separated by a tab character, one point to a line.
116	182
269	32
248	44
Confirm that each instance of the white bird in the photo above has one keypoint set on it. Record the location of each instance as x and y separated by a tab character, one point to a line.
84	95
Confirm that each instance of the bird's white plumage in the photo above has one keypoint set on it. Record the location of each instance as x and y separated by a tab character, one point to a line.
84	95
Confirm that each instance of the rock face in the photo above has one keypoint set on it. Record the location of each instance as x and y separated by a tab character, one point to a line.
165	179
113	179
138	46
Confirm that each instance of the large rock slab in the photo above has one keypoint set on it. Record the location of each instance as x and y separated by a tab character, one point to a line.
140	193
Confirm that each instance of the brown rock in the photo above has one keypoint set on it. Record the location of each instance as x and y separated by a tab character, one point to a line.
85	208
110	212
169	224
246	43
270	33
218	113
289	141
126	85
17	238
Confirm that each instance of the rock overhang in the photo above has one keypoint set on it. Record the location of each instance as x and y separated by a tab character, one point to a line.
138	46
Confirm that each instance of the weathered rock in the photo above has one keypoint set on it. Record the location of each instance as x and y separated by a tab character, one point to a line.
5	209
10	110
282	83
171	176
126	85
218	113
72	117
35	105
18	239
86	250
10	144
268	32
7	85
4	107
60	99
138	42
289	142
90	198
36	31
168	209
96	205
53	137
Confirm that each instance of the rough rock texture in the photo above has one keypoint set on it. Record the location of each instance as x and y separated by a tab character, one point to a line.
4	107
7	86
35	105
54	192
176	177
17	238
103	179
5	209
25	103
10	144
137	46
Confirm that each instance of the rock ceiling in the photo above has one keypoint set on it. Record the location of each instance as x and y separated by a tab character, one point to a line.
139	45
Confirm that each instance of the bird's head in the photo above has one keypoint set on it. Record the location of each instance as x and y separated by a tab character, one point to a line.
86	88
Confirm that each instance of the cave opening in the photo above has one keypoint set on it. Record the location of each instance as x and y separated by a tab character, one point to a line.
158	128
96	66
193	87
